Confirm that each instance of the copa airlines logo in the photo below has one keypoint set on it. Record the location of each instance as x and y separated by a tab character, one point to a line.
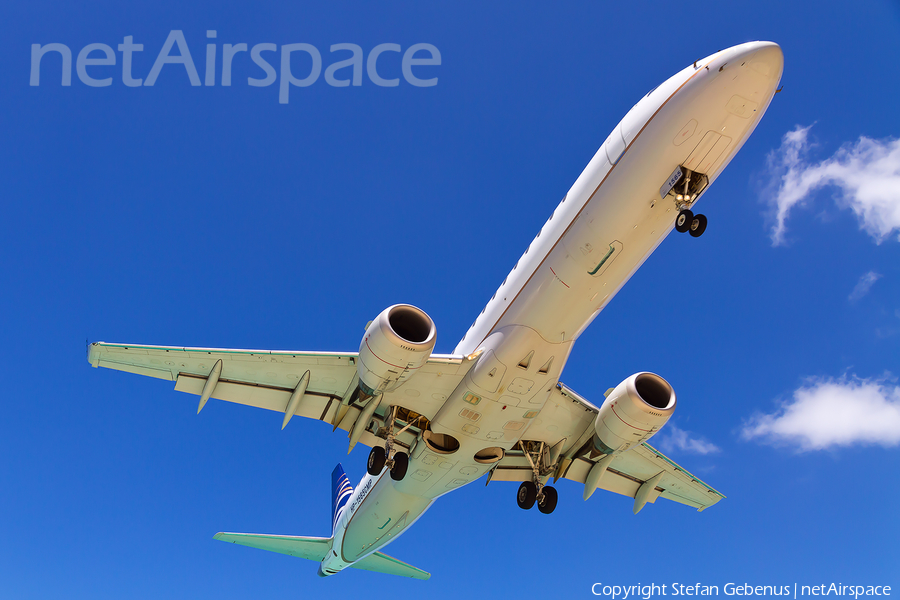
95	64
362	495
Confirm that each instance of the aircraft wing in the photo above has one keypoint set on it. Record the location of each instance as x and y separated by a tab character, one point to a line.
567	419
268	378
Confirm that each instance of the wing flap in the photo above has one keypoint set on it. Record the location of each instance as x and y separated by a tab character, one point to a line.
136	369
314	405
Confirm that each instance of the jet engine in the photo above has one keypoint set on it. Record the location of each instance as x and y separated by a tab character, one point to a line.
396	344
635	410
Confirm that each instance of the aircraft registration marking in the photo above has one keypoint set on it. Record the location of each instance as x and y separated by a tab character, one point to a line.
670	182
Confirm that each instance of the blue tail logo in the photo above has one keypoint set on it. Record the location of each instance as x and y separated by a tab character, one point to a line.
341	490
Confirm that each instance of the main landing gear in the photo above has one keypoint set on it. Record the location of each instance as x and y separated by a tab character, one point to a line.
528	494
534	490
377	462
379	457
688	221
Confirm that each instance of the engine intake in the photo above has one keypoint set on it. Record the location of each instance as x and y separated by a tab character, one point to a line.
396	344
635	410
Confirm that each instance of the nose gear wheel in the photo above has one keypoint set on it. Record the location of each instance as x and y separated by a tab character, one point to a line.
683	221
698	226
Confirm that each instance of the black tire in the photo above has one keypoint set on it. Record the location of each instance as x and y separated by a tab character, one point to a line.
698	225
683	221
527	495
401	464
547	502
376	461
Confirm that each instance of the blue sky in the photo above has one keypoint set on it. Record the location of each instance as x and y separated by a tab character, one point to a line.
216	216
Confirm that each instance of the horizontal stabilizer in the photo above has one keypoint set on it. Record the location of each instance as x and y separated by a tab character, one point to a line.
382	563
315	548
311	548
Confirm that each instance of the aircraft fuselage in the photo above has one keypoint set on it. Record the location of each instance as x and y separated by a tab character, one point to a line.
613	217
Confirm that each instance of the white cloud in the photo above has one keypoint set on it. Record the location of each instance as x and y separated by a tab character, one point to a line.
827	413
866	173
865	284
674	439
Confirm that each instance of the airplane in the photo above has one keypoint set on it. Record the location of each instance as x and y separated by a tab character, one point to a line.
496	406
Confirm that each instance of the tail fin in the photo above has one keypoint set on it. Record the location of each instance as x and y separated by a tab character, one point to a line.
341	490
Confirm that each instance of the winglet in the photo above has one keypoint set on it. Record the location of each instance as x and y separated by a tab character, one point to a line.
93	354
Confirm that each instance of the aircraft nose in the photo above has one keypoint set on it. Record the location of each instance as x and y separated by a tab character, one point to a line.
766	58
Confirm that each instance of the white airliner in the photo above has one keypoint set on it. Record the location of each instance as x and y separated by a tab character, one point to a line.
495	406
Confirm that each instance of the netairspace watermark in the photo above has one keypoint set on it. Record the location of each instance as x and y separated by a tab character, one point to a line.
648	591
345	64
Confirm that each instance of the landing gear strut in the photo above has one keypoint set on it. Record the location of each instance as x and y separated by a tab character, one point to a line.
381	457
535	490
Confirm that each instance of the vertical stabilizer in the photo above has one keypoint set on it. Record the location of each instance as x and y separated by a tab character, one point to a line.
341	490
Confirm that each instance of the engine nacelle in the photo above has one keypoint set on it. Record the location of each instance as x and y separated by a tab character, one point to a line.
633	412
396	344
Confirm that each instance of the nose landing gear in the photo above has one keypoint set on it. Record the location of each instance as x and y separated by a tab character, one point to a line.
687	221
683	221
683	187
